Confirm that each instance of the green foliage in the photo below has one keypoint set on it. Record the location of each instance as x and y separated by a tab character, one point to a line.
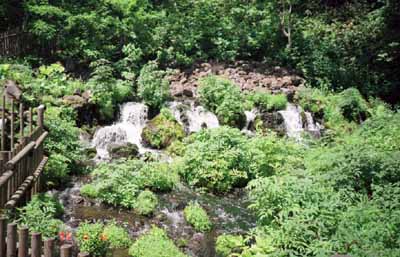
40	215
91	239
120	183
155	243
146	203
221	96
196	216
162	130
117	236
228	245
266	102
153	88
62	144
216	159
352	105
107	91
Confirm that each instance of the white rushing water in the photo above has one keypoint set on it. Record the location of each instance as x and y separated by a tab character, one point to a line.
127	130
197	116
294	122
250	118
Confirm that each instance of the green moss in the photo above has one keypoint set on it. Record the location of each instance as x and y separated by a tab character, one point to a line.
266	101
146	203
196	216
155	243
161	131
89	190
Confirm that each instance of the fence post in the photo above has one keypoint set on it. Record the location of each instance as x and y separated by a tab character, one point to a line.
2	236
21	121
49	247
12	125
36	245
12	240
3	125
23	245
66	251
40	113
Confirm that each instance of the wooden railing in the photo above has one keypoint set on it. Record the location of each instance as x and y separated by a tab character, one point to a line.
22	156
18	242
14	42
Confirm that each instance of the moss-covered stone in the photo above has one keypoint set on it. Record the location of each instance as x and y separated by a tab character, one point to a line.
162	130
123	151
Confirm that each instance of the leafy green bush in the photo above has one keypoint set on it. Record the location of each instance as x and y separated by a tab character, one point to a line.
224	98
62	144
89	190
196	216
267	102
352	105
162	130
153	88
228	245
117	236
155	243
91	239
146	203
120	183
216	159
40	215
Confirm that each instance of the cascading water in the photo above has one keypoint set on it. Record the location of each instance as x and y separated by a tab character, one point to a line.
197	117
294	122
250	118
127	130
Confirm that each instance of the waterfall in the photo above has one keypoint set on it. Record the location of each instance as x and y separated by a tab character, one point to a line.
250	118
294	122
127	130
193	117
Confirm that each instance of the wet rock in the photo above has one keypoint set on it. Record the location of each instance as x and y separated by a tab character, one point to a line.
271	120
127	151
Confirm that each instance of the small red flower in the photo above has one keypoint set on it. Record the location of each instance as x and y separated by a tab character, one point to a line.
69	236
62	236
103	237
85	237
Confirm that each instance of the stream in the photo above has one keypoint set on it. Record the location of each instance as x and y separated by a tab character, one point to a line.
228	213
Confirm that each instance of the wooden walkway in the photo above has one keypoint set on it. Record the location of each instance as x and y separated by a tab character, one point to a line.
22	156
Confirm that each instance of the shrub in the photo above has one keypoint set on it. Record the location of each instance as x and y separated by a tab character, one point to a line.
352	105
120	183
40	214
91	239
162	130
228	245
117	236
224	98
153	88
146	203
196	216
216	160
267	102
89	190
155	243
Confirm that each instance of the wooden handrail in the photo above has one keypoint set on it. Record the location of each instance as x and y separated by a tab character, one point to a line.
17	158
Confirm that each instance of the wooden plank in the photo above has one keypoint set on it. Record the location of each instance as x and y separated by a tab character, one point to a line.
11	240
3	236
18	157
23	242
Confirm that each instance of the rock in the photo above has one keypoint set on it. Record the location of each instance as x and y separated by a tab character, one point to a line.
75	101
127	151
12	90
273	121
161	131
90	152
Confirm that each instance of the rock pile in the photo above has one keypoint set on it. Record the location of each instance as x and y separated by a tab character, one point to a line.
249	76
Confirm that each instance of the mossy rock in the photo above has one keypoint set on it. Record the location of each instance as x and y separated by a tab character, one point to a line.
123	151
162	130
90	152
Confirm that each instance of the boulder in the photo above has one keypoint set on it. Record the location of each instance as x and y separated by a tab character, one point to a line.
126	151
161	131
271	120
74	101
12	90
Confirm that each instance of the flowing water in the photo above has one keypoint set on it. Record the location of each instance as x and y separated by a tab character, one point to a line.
294	124
229	213
127	130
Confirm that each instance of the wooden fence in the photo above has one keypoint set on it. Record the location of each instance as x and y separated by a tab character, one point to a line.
15	242
22	156
14	42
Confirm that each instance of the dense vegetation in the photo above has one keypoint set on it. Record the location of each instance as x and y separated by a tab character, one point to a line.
312	197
